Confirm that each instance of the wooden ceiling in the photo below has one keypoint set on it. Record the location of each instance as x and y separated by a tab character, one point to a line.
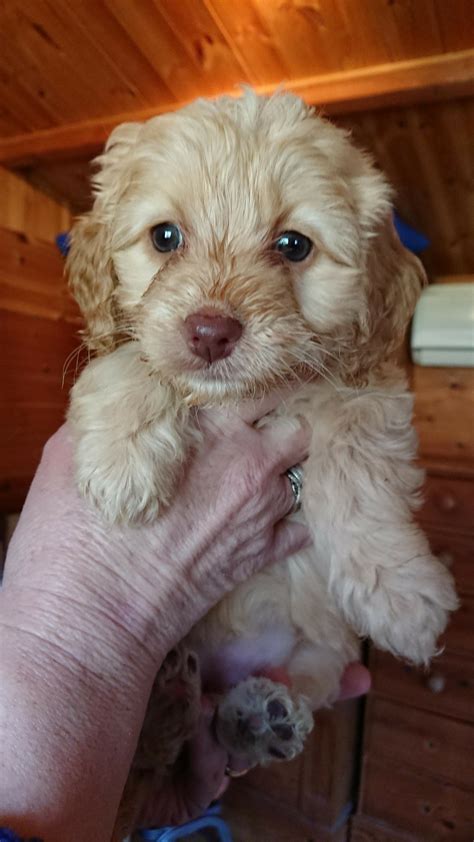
72	69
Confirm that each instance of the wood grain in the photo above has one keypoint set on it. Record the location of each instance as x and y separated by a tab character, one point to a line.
27	210
32	279
445	688
417	80
38	329
32	398
65	63
367	829
425	743
430	807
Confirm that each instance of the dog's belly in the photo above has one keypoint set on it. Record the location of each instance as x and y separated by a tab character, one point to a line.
232	662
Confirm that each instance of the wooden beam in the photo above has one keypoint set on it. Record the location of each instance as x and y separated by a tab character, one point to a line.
428	79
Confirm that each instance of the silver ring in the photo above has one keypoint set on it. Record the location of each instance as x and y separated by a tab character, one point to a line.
295	475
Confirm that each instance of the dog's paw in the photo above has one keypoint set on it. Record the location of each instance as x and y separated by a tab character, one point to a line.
123	489
262	721
409	609
173	710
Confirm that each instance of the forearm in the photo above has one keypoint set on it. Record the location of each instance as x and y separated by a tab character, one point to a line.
63	774
83	630
88	611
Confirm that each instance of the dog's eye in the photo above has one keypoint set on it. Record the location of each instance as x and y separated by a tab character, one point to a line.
293	246
166	236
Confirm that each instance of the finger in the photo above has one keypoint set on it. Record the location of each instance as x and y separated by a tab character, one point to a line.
355	681
286	441
289	538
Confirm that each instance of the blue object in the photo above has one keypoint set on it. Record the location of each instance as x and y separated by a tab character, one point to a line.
63	242
410	238
210	820
7	835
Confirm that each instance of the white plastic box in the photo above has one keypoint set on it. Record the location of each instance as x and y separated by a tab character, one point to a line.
442	331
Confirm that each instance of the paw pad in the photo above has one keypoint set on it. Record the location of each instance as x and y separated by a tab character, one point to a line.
276	709
284	732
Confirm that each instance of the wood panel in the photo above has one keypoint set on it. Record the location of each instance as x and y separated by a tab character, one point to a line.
32	400
446	688
65	62
449	504
32	279
420	80
426	743
367	829
444	412
27	210
432	808
38	330
426	152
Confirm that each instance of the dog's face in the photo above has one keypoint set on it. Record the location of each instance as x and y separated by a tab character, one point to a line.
239	243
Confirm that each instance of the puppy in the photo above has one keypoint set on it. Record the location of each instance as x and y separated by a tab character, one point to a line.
235	246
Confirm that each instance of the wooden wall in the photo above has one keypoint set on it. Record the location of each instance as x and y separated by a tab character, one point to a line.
26	209
38	330
427	153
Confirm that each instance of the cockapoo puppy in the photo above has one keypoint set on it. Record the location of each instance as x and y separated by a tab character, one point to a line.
235	246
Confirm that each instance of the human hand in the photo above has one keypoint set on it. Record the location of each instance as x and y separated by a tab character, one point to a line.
88	611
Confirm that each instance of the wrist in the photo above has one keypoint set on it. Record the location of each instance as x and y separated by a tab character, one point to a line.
65	714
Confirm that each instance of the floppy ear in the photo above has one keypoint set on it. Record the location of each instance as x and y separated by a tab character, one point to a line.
92	281
395	278
391	276
89	265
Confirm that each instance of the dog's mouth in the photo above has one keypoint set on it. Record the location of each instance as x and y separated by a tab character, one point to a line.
216	354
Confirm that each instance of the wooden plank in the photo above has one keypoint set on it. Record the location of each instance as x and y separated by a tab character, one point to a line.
27	210
444	412
426	152
32	279
38	326
427	79
445	688
32	397
423	742
367	829
427	806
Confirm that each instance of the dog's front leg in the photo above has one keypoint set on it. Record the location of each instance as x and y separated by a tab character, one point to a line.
131	436
361	487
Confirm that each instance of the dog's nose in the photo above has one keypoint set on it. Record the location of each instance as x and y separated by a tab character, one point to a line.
212	336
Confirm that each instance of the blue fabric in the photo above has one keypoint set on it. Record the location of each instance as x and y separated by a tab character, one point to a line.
63	243
413	240
210	820
7	835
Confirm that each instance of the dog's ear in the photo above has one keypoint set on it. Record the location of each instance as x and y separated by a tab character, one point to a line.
395	278
92	281
392	277
89	264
